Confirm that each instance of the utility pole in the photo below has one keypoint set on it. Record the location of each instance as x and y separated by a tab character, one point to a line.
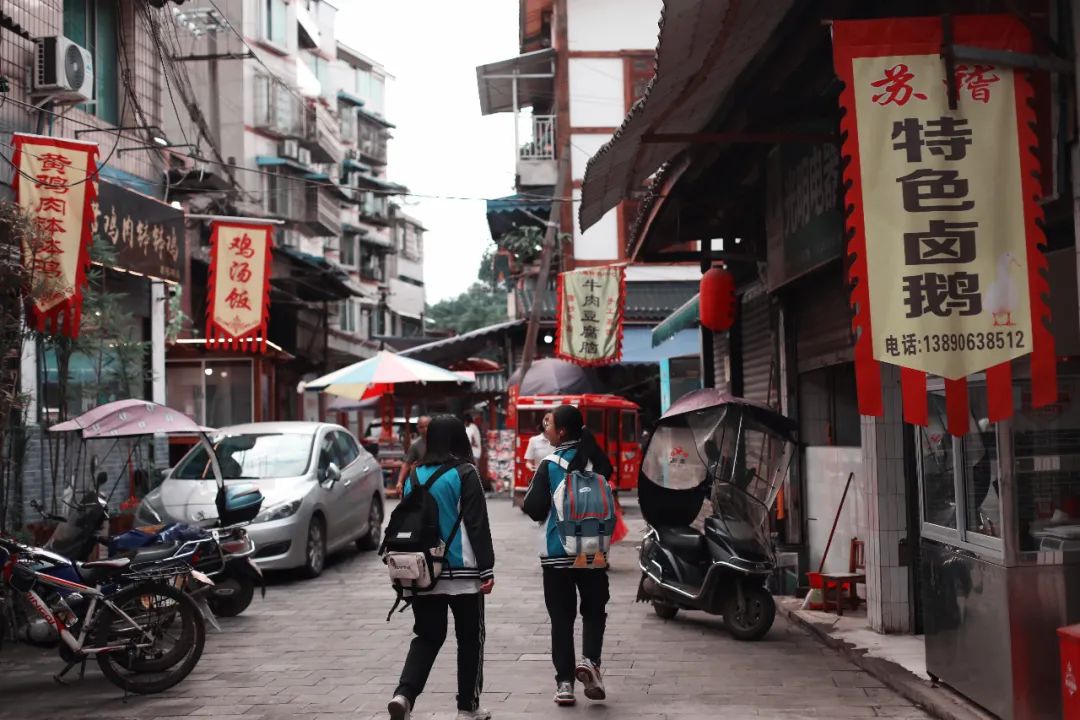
551	236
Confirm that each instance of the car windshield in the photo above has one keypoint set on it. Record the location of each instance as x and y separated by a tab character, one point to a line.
250	457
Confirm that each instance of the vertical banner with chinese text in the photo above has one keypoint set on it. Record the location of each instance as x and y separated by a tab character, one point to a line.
57	186
942	214
238	304
589	317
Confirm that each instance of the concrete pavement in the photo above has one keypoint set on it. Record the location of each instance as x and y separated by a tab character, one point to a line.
323	649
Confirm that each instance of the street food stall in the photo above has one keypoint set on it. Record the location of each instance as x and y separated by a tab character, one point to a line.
1000	547
612	419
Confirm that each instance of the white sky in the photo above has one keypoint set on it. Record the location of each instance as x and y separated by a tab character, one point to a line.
442	145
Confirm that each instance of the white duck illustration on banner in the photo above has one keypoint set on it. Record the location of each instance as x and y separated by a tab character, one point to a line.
1003	296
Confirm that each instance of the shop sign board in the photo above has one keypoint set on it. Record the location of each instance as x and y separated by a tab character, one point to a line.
804	227
588	328
147	235
56	185
943	219
238	307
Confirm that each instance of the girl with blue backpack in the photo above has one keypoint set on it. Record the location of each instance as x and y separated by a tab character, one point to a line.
570	495
446	482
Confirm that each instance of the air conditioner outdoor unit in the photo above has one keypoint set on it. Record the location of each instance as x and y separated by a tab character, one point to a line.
289	149
304	157
63	70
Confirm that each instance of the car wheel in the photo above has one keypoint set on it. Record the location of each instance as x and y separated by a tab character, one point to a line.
373	538
315	548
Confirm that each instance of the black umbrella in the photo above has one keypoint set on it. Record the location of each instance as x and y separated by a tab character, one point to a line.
552	376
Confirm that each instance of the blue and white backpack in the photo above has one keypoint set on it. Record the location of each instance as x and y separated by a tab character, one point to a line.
584	514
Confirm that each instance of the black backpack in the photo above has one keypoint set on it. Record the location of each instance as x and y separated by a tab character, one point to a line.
413	548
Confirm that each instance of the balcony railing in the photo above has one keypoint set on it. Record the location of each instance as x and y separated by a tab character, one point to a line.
287	203
323	211
542	145
322	135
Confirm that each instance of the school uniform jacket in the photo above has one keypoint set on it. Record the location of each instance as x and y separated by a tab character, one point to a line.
538	505
458	491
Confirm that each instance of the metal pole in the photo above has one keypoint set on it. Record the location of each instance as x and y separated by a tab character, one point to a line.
708	360
517	130
550	238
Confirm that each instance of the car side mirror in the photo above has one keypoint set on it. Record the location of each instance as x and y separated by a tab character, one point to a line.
372	448
332	475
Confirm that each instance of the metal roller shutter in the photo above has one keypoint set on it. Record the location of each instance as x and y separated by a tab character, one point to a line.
822	318
759	369
721	349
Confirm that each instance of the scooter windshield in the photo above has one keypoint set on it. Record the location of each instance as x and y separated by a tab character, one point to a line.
672	460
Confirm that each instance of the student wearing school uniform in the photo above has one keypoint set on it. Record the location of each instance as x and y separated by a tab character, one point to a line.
576	449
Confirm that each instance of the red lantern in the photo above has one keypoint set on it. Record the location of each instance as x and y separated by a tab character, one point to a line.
716	303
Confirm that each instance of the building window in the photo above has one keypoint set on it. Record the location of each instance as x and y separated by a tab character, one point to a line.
216	393
373	266
349	316
639	73
273	21
348	251
348	122
94	24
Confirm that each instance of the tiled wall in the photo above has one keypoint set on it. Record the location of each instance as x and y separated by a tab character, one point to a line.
888	591
40	18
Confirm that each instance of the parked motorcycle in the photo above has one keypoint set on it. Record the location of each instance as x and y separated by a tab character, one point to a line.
145	633
734	454
222	554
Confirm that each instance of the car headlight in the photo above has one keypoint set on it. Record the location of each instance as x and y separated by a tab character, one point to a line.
278	512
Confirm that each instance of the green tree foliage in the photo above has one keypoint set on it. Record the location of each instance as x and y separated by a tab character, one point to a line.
477	307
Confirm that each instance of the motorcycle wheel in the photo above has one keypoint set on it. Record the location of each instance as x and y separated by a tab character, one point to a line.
238	602
178	635
752	623
664	610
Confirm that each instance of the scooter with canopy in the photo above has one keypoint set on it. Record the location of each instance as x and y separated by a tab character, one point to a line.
710	476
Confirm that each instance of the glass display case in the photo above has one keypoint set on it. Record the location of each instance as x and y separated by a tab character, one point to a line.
1000	550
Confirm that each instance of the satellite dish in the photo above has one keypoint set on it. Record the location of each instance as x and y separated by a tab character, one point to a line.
74	66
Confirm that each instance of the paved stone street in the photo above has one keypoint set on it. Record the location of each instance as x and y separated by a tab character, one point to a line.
322	649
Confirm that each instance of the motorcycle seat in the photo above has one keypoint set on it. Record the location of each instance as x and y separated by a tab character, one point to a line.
681	539
97	571
155	553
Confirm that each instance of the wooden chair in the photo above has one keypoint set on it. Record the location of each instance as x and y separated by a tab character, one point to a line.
838	582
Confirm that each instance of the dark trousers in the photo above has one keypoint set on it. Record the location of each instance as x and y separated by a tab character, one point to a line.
562	586
429	625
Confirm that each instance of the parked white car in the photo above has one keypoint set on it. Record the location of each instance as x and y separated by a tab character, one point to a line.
322	491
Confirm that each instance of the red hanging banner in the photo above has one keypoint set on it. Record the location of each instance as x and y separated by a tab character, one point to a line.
589	317
57	186
942	214
238	304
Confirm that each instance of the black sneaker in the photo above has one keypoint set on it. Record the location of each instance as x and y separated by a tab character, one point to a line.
564	694
588	674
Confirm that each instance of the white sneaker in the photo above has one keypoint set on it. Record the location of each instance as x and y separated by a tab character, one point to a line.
588	674
400	708
477	714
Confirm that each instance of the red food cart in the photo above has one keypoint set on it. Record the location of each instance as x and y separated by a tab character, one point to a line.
612	419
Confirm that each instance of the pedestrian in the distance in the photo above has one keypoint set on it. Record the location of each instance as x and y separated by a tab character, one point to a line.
563	582
476	441
467	575
542	444
416	451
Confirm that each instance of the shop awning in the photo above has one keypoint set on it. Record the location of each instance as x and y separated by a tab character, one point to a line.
536	76
313	278
275	161
377	119
349	98
513	211
703	48
685	317
356	166
638	348
464	345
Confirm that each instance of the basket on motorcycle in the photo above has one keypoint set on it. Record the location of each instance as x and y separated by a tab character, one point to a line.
238	503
